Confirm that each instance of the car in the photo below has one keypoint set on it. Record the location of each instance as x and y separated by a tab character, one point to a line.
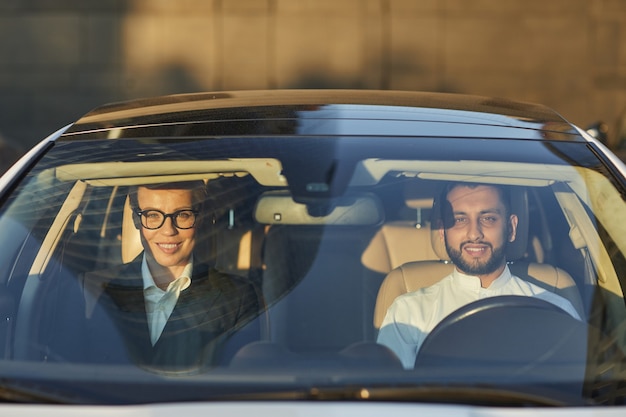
327	206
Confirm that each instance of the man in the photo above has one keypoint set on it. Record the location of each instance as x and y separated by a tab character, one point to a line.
169	310
477	227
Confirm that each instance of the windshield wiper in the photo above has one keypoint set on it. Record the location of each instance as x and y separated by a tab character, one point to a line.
468	395
23	393
479	395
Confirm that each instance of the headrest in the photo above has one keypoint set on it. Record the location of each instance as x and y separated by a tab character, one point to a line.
131	241
515	250
359	209
417	196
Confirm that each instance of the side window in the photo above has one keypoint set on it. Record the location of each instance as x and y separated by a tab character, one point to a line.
94	238
549	240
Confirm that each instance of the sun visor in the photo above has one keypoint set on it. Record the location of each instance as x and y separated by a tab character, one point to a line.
278	207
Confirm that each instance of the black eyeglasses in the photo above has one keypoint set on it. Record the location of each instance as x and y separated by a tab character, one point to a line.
154	219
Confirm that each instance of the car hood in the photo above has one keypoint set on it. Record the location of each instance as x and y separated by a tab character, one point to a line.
366	409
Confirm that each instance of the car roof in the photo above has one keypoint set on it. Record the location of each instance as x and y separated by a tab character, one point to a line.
322	112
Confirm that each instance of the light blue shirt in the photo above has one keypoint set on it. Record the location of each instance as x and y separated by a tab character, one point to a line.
159	303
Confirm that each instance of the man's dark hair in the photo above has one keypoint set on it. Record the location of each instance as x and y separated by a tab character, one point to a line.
445	209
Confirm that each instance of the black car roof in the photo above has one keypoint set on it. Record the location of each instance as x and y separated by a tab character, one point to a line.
322	112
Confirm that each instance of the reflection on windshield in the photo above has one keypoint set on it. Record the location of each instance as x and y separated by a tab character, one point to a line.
235	272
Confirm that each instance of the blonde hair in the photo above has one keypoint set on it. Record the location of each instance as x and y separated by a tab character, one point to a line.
197	188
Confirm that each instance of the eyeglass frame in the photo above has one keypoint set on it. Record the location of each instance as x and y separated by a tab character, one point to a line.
172	216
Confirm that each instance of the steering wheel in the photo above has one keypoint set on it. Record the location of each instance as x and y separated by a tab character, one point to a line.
507	337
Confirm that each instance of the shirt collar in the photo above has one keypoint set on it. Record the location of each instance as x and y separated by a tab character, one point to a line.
474	282
183	281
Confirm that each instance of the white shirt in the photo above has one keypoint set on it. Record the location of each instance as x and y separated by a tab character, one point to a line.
412	316
159	303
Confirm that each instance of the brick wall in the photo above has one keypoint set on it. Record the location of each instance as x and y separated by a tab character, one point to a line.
60	58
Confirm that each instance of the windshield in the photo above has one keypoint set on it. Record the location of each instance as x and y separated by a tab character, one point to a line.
138	271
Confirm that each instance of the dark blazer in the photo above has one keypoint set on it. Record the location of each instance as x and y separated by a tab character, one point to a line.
208	313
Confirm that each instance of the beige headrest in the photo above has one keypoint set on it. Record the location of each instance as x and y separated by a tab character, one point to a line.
419	203
417	196
131	241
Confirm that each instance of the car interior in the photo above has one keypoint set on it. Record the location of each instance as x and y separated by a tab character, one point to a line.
327	273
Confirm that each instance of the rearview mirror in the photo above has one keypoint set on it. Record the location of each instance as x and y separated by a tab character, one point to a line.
278	207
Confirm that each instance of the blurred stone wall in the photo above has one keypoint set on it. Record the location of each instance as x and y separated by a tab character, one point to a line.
60	58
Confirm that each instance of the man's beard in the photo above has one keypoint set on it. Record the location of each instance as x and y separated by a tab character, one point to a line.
494	262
